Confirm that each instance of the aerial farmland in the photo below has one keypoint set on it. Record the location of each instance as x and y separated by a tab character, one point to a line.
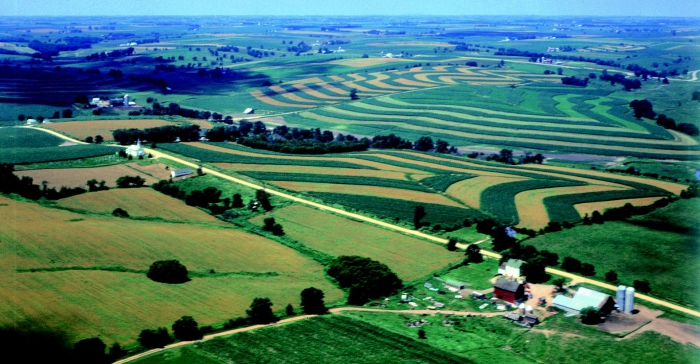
198	188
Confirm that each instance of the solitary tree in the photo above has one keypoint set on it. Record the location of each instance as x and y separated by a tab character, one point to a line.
421	334
260	311
590	315
312	301
120	212
418	215
264	199
289	310
99	139
353	94
611	276
186	329
90	351
168	271
88	139
452	244
151	339
559	284
116	352
237	201
474	254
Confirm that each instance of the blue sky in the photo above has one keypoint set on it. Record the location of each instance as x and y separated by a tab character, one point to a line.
351	7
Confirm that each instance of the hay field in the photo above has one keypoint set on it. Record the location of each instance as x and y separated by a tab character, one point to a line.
408	257
601	206
469	191
82	129
237	167
77	177
530	204
138	202
40	237
416	196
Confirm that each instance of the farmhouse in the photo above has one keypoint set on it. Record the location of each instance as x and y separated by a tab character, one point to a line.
585	298
507	290
32	122
511	268
136	150
180	172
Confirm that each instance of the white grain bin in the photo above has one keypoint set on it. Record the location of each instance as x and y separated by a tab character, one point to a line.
629	300
521	308
621	298
528	309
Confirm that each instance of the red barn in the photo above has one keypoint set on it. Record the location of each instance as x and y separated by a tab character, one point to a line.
507	290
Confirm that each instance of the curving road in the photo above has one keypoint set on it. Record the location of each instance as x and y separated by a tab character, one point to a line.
304	317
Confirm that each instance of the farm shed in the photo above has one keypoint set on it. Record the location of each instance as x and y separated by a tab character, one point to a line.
454	283
511	268
531	319
180	172
512	316
585	298
507	290
249	111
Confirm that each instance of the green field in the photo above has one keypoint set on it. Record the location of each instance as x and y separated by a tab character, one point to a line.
408	257
647	247
24	145
385	337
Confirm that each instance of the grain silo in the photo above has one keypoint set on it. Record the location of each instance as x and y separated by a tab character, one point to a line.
620	298
629	300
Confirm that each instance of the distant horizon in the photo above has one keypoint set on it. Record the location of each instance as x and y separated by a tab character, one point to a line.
310	8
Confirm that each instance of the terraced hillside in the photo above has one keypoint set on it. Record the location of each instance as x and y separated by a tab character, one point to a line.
390	184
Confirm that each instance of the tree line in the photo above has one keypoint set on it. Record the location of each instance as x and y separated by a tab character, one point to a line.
645	109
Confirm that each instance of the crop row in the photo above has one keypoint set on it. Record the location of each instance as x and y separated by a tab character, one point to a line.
561	208
52	154
443	181
221	157
500	199
402	210
351	180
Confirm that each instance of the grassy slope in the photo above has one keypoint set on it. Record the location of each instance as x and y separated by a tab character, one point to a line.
409	257
121	303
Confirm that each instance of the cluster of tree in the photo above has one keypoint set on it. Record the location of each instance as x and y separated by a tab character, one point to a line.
93	350
644	109
25	187
66	44
101	56
98	139
184	329
130	181
94	185
506	156
301	47
287	140
636	172
574	265
534	261
208	198
628	84
365	278
161	134
270	225
533	56
473	254
390	141
623	212
120	212
168	271
575	81
66	114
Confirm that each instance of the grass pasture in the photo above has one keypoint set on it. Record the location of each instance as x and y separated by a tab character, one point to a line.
408	257
52	241
139	203
77	177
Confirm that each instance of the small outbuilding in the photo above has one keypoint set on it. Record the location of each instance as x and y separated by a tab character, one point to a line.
249	111
507	290
180	172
